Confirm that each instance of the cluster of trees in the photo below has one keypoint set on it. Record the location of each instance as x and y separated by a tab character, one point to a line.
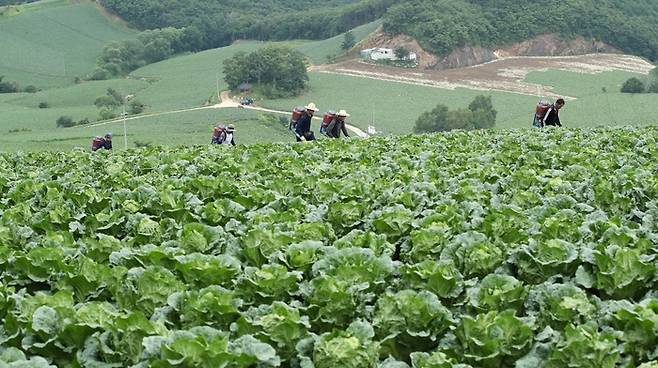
122	57
443	25
13	87
480	114
636	85
109	103
275	71
67	122
217	23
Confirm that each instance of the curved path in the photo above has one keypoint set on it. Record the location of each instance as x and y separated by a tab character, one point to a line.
227	103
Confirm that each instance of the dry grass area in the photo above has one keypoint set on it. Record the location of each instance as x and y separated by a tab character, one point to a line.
506	74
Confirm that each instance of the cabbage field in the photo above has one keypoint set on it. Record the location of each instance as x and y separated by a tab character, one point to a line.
524	249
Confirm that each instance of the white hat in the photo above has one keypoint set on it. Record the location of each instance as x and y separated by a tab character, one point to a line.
230	127
311	106
343	113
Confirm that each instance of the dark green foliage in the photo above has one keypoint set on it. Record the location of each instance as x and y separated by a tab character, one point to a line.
106	113
30	89
110	100
209	24
633	85
401	53
484	114
348	41
443	25
141	144
8	87
65	122
479	115
120	58
105	101
43	105
276	71
136	107
653	87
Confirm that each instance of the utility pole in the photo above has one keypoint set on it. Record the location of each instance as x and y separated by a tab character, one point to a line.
219	99
125	131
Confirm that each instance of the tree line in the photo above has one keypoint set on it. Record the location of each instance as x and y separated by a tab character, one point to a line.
480	114
276	71
13	87
444	25
176	26
637	85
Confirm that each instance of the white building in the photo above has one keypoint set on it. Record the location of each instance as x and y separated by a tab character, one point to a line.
380	53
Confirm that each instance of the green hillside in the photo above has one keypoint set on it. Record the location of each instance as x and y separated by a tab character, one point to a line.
319	51
186	81
212	24
443	25
486	249
50	43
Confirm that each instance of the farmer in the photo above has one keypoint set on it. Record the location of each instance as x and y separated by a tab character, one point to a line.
223	135
229	136
218	134
552	117
303	128
102	142
338	125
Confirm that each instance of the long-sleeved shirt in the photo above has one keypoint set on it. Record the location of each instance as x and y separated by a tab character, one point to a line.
230	139
303	126
224	138
552	117
105	143
336	127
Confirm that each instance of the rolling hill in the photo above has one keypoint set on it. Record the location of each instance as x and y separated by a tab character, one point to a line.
49	44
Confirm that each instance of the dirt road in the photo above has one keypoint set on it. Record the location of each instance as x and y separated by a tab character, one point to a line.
226	103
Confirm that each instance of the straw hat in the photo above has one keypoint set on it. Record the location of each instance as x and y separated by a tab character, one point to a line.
343	113
311	106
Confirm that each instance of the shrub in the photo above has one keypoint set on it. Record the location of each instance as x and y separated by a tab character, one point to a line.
633	85
653	87
106	113
43	105
136	107
479	115
65	122
31	89
348	41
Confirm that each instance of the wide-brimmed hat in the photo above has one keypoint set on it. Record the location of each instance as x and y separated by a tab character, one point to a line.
343	113
312	107
109	135
230	127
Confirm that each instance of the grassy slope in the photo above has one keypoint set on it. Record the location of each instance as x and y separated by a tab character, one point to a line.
396	105
319	51
49	46
171	130
189	80
181	82
594	106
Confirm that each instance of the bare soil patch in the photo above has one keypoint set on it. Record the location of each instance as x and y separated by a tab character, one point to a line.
505	74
